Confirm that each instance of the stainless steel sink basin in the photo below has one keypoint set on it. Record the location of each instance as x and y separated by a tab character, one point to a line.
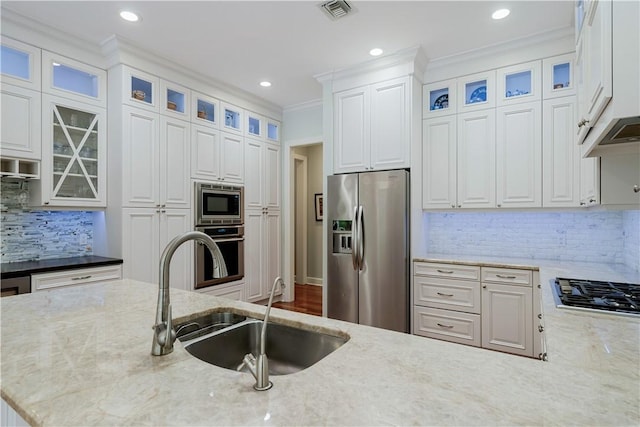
289	349
206	324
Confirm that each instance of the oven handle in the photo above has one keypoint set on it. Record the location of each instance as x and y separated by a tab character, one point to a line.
233	239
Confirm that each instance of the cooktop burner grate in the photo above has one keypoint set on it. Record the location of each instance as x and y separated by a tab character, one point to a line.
599	295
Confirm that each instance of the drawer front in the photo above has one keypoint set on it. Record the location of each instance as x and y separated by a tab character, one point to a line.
511	276
82	276
448	294
463	328
451	271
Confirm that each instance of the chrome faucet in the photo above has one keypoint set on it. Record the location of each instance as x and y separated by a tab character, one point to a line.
260	367
164	335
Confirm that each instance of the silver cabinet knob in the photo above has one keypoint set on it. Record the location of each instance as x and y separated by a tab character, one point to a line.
636	188
540	328
459	206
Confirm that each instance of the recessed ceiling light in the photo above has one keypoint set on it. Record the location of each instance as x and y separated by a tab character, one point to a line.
265	84
500	13
129	16
375	51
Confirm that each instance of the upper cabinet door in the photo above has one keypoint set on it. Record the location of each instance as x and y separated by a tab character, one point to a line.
140	89
74	80
273	131
175	100
439	99
205	110
255	125
519	83
557	76
439	163
390	127
20	64
477	91
21	122
598	60
232	118
352	130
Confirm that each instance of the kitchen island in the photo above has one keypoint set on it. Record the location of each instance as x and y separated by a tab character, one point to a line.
81	356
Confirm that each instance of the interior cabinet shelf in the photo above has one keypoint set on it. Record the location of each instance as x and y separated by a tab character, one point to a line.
20	168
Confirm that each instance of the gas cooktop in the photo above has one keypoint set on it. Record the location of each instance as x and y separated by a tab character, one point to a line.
593	295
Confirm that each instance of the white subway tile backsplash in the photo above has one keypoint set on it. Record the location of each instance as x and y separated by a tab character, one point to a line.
590	236
27	234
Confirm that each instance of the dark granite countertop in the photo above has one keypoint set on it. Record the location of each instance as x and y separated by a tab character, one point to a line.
26	268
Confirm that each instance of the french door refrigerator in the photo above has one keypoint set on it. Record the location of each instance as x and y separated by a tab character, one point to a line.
368	248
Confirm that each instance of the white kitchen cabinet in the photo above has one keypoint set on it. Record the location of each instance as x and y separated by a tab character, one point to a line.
146	232
20	133
477	91
620	179
68	78
156	160
263	175
255	125
439	99
75	277
262	252
519	83
590	181
273	130
519	156
205	110
174	100
558	76
594	59
74	161
507	310
9	417
235	291
20	64
372	127
217	156
561	154
477	159
139	89
232	119
439	163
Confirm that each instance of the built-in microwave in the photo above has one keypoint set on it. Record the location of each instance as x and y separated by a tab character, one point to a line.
218	204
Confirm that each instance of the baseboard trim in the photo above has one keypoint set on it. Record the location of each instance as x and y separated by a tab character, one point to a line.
314	281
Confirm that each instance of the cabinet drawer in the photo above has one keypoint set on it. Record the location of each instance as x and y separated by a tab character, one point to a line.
449	294
506	275
451	271
83	276
463	328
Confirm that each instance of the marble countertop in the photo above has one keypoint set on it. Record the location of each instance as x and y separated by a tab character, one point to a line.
81	356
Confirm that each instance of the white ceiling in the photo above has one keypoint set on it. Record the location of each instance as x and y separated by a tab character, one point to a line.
288	42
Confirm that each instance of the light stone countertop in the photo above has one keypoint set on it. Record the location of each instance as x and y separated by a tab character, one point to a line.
81	356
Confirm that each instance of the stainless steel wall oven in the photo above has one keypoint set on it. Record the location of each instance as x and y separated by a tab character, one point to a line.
230	240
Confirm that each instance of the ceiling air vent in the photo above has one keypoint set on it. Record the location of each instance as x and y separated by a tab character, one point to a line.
336	8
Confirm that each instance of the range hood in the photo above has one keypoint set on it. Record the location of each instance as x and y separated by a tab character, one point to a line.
623	131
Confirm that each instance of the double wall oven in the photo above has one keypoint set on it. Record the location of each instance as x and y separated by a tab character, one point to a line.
219	213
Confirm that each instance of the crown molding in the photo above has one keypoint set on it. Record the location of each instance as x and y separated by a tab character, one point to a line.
303	105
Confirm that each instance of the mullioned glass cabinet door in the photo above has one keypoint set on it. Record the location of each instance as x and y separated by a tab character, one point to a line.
76	162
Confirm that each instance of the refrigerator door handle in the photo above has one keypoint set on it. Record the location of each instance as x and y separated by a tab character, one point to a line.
354	239
360	240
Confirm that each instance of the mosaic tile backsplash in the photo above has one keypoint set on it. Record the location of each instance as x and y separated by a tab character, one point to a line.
28	235
589	236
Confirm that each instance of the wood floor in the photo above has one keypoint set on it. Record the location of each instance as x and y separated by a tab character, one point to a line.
308	300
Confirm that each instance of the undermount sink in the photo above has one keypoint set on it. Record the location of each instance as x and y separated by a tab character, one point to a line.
288	349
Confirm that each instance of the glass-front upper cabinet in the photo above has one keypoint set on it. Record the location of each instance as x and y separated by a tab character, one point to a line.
273	130
519	83
477	92
558	76
439	99
20	64
72	79
204	109
73	154
175	100
231	117
140	89
255	125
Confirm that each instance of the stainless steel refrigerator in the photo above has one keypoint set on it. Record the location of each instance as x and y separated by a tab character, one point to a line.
368	248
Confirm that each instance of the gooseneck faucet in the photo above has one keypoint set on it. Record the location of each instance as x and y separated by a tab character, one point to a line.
260	367
164	335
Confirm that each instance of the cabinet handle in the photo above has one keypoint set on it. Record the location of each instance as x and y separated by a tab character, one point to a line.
540	328
163	210
543	357
445	271
46	203
445	295
592	200
453	206
444	326
82	277
459	206
540	316
582	123
636	188
582	203
502	276
484	286
499	205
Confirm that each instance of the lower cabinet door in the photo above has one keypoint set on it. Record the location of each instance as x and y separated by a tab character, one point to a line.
463	328
507	323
